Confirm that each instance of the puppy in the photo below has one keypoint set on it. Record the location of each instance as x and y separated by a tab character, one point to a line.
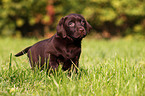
64	47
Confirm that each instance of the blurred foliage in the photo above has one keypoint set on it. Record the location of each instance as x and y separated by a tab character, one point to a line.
38	17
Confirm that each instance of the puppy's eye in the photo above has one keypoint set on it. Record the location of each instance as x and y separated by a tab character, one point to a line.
83	22
71	24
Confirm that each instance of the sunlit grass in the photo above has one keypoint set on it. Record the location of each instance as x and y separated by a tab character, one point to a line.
106	68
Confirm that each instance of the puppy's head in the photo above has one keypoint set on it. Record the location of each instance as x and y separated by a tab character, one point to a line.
74	26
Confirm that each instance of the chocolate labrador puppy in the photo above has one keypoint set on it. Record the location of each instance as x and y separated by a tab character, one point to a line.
64	47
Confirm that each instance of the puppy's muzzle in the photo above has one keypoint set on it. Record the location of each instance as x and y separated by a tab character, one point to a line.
82	31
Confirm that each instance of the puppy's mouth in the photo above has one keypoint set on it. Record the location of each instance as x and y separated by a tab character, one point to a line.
83	34
79	36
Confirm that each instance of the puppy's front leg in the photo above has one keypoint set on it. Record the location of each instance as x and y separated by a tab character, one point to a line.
53	62
71	64
75	63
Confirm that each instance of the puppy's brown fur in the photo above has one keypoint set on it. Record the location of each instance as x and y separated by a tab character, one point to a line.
64	46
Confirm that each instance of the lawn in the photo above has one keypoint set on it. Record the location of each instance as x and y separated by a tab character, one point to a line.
115	67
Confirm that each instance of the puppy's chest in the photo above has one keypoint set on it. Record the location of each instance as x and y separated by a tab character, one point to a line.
72	52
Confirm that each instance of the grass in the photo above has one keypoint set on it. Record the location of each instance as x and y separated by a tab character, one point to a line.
107	68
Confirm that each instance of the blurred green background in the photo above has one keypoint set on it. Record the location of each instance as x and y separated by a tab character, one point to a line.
38	18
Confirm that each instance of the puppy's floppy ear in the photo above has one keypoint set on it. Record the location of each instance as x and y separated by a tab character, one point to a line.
89	27
60	28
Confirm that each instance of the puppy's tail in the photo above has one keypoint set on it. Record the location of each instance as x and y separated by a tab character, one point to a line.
23	51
